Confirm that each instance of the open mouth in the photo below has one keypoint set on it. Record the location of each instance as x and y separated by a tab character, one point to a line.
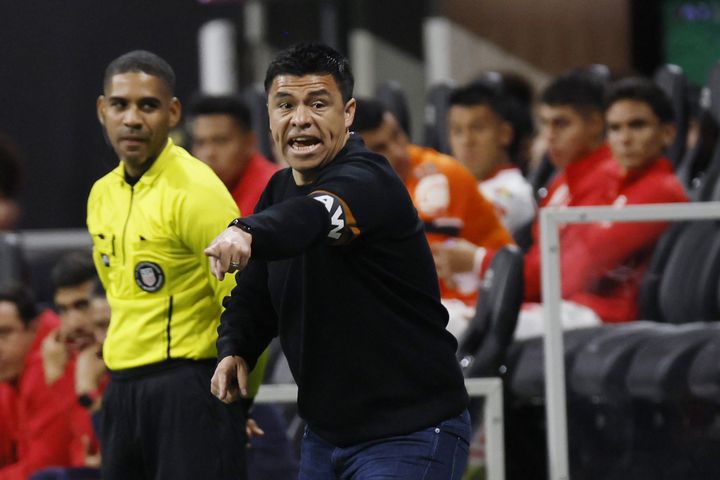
304	144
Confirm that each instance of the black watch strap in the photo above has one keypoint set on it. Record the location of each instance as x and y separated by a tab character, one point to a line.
238	223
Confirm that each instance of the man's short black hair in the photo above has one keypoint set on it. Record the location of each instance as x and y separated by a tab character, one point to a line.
22	297
73	269
479	93
642	90
312	58
141	61
231	105
504	105
578	90
368	114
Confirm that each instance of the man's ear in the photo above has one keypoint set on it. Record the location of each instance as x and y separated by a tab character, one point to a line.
507	132
668	133
350	112
596	122
175	112
100	108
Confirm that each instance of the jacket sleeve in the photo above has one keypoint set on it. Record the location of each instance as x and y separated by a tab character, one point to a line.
48	434
590	251
354	201
249	321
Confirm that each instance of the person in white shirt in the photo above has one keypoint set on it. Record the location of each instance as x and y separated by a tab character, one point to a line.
482	137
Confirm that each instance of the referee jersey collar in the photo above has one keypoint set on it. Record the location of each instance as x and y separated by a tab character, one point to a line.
155	169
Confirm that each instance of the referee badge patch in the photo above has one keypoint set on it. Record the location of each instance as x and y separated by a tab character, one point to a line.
149	276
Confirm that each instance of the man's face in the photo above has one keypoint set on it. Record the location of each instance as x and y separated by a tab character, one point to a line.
309	121
635	133
390	141
479	138
219	141
15	341
137	111
73	306
569	134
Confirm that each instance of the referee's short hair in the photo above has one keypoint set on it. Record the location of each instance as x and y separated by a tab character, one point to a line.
141	61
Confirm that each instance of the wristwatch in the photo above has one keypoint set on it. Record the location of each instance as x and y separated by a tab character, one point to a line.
238	223
86	400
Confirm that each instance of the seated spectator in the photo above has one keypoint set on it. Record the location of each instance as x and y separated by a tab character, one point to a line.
222	137
603	263
483	138
572	126
74	346
35	417
444	192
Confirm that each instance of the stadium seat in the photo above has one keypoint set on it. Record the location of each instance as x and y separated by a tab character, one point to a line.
255	98
391	95
700	166
672	80
482	348
436	127
37	251
12	267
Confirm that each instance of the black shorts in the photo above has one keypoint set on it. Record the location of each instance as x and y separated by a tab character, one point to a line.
161	422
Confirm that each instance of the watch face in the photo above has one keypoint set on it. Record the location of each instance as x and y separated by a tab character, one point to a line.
85	400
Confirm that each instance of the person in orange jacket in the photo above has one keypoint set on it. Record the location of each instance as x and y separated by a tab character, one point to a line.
443	191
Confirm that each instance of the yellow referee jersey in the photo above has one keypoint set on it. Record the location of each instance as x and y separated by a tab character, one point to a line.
148	244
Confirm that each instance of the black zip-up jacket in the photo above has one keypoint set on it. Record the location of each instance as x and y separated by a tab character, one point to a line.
342	271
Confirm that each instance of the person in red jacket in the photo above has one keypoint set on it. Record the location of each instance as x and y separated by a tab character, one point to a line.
35	418
74	346
222	137
603	263
572	126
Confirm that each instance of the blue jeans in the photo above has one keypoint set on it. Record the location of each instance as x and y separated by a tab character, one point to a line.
436	453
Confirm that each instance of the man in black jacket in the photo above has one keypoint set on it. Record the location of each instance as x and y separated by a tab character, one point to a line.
336	263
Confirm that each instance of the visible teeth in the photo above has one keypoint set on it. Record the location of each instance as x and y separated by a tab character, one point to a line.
304	141
303	148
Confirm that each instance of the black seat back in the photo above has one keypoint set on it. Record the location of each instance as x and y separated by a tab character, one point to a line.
436	126
481	350
672	80
700	166
41	250
649	301
688	287
256	101
391	95
12	266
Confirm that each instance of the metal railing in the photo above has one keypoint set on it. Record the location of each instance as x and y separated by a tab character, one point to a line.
550	221
490	388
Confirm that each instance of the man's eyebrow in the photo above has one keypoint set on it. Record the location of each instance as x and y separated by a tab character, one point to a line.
319	93
315	93
280	94
142	99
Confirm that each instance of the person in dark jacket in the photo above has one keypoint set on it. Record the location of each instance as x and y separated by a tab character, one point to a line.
335	262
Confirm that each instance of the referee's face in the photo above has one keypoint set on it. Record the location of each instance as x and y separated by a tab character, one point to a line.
137	111
309	121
